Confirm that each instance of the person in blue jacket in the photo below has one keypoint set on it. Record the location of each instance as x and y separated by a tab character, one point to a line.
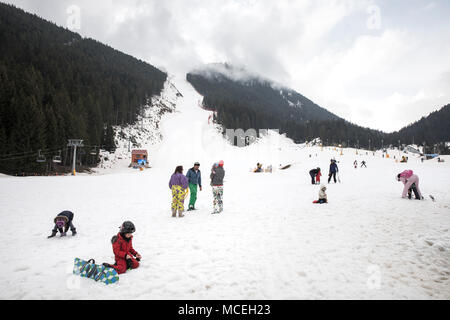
194	176
333	170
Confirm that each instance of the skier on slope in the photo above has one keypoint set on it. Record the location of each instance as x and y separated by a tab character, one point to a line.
333	170
63	222
363	163
179	185
355	164
126	257
408	178
194	176
217	175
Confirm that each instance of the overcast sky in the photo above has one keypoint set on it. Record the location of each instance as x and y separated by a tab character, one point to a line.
377	63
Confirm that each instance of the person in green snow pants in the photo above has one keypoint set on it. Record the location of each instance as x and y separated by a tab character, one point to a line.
195	180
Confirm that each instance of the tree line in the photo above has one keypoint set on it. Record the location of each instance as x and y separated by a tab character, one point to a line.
56	85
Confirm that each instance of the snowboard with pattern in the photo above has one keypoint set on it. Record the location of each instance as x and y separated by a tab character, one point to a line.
99	273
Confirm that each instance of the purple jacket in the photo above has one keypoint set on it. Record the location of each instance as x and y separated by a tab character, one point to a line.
178	179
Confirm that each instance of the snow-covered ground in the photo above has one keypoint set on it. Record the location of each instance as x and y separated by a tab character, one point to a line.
271	242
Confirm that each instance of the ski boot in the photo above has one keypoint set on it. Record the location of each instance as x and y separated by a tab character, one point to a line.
74	232
52	235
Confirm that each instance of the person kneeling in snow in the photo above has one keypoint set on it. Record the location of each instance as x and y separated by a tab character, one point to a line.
322	195
123	249
63	222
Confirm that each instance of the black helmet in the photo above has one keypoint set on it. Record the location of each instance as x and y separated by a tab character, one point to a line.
127	227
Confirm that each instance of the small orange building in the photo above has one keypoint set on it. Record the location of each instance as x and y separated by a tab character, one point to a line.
137	155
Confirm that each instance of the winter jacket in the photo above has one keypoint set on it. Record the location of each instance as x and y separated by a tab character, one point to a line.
122	247
333	167
66	215
194	177
406	174
322	193
178	179
314	172
217	175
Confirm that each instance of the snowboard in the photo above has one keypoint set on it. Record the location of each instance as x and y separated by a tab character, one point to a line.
432	198
99	273
285	167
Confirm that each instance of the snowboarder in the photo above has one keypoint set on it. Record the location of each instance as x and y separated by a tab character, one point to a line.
217	175
313	173
409	178
363	163
333	170
179	185
322	195
126	257
194	177
258	167
63	222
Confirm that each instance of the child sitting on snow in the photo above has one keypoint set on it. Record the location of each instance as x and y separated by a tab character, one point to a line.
322	195
123	249
63	222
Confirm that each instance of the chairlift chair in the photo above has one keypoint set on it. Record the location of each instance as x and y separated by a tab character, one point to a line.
41	158
57	159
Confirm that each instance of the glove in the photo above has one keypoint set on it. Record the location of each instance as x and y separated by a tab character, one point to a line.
63	234
51	236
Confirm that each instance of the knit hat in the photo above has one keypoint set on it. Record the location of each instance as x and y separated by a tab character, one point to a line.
221	163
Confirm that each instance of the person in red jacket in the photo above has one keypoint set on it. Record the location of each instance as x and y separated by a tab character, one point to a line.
318	175
125	255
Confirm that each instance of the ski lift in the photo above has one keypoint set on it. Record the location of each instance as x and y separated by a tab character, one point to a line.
94	151
41	158
57	159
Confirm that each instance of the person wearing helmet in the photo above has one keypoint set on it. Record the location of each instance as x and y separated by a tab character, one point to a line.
126	257
194	176
63	222
217	175
322	195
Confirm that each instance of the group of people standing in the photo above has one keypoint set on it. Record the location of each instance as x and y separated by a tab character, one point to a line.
316	173
181	184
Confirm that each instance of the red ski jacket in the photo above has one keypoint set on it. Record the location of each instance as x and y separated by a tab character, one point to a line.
121	247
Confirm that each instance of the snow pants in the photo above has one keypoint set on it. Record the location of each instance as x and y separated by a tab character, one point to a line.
313	176
193	199
414	179
178	196
218	198
332	174
122	265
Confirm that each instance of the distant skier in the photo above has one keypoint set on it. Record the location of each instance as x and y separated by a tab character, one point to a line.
258	168
63	222
194	177
409	179
313	173
179	185
217	175
322	195
333	170
355	164
363	163
126	257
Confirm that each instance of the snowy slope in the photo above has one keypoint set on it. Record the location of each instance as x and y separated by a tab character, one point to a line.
271	242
